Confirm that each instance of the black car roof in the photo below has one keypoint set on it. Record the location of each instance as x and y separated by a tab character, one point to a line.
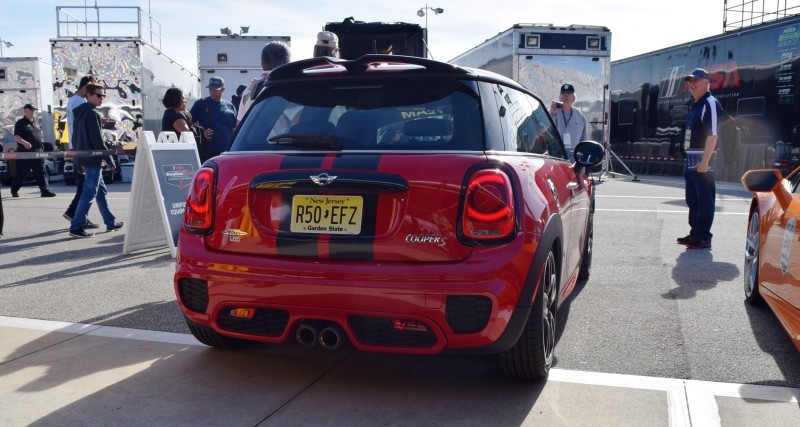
326	67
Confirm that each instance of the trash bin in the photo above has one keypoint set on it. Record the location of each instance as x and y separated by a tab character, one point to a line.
126	171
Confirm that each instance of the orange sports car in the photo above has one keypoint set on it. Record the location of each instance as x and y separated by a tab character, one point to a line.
772	255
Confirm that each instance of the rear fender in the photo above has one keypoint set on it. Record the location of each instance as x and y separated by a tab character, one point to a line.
552	237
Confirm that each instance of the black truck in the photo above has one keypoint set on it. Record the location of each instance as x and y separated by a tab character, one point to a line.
754	74
358	38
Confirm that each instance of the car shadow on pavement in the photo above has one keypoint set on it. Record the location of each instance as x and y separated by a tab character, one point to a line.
695	270
773	341
95	380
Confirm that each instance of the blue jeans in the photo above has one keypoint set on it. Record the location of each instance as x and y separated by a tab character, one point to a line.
93	187
701	194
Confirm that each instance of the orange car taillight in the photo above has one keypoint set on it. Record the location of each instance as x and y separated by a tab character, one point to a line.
489	212
200	203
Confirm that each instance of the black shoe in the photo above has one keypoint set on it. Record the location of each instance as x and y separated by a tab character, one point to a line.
699	244
90	225
80	233
116	226
685	239
48	194
67	216
14	194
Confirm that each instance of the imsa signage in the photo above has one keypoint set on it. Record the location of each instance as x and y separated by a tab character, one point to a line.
162	175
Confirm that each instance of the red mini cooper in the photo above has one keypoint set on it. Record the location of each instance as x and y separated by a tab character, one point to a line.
399	204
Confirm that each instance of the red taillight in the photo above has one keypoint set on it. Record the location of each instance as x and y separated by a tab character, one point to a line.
488	206
200	203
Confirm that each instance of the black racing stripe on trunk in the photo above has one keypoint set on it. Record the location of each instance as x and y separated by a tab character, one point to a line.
285	243
302	161
363	248
368	162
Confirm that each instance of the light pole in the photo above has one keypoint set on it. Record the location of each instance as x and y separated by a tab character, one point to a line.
4	42
422	12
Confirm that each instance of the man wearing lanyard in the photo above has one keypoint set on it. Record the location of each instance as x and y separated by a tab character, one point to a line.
570	122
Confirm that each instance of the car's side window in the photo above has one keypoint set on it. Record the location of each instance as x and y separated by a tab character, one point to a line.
547	138
517	112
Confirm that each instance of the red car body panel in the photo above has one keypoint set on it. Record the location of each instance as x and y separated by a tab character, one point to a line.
416	265
394	283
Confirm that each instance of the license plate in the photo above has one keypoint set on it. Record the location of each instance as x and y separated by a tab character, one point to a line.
327	214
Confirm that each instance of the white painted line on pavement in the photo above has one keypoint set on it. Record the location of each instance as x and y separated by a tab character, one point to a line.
676	396
99	331
702	395
690	402
663	211
719	199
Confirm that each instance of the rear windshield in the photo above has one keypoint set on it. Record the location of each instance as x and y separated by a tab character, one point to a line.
422	113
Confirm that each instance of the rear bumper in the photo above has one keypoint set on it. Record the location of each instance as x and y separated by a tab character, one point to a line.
464	306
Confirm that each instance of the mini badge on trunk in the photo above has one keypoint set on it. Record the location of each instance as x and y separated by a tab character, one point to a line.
234	235
323	179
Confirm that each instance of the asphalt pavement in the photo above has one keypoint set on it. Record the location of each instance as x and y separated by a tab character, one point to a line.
658	336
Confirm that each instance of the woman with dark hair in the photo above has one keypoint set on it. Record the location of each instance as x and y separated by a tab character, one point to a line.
176	118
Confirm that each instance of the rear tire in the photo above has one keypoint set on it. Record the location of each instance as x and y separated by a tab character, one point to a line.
532	355
6	181
211	338
586	259
752	252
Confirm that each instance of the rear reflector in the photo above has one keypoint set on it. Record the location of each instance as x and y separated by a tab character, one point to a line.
243	313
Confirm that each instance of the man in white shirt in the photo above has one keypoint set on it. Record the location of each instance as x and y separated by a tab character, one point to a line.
78	98
570	122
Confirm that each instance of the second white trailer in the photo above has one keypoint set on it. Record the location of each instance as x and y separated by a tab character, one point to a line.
542	57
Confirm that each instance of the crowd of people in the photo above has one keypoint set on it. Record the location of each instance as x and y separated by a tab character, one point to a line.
212	120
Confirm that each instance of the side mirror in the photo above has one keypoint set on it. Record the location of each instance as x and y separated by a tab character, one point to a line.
763	180
771	181
589	153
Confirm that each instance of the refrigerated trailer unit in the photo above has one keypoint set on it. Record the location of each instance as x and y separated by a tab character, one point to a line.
133	70
19	85
237	59
542	57
754	75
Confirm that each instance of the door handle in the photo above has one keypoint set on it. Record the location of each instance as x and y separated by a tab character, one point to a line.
572	186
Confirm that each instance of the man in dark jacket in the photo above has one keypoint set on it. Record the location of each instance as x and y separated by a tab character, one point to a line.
29	140
88	136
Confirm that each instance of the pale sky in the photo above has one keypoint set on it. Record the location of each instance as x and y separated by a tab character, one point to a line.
636	26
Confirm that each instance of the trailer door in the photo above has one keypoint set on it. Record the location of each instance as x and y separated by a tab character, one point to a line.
544	75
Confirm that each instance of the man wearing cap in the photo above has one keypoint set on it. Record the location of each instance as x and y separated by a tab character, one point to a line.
327	45
273	54
29	140
217	114
570	122
700	141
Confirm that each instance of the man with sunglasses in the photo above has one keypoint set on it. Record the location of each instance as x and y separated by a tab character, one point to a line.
88	136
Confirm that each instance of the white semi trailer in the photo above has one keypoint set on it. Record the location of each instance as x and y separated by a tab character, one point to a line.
542	57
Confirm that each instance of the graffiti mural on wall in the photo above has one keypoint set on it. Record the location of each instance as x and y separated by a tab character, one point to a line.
117	66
